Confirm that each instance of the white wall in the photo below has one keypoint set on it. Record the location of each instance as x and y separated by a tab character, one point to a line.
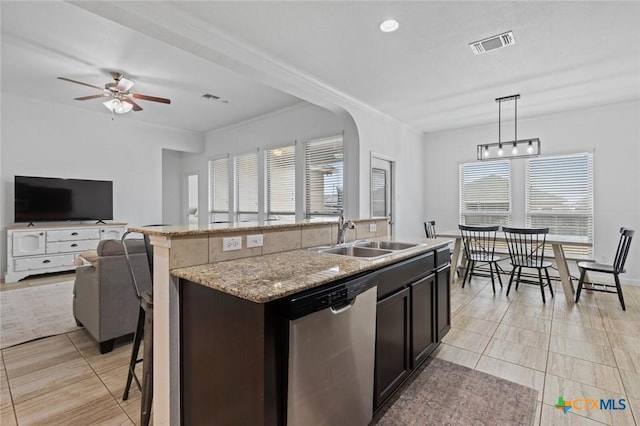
172	184
40	139
611	132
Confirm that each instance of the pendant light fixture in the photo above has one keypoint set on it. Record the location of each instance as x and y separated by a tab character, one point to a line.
517	148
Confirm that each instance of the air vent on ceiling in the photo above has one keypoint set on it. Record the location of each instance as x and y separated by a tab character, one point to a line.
492	43
211	97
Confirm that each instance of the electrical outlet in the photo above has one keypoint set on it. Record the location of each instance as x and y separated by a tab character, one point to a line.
231	243
254	241
372	227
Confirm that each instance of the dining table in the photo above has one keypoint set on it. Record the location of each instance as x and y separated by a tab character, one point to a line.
556	242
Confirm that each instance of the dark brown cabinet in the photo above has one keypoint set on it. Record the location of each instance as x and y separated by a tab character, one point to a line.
413	315
423	332
392	344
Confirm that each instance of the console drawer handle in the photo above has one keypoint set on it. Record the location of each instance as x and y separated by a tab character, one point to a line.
74	245
74	233
46	261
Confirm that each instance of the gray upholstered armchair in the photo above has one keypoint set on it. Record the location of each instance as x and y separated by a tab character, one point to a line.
104	298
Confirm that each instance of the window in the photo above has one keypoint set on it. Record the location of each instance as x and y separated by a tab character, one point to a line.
485	193
246	187
218	190
559	195
324	169
281	183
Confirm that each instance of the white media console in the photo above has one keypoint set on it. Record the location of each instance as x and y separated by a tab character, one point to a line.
52	248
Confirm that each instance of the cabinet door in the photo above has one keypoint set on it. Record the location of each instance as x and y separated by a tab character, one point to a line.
392	345
28	243
423	331
443	299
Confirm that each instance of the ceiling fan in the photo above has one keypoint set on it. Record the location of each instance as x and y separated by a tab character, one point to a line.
122	101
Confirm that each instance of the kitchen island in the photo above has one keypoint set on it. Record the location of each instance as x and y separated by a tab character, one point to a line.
192	257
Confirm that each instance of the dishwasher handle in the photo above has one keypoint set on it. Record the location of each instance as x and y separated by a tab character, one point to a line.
343	307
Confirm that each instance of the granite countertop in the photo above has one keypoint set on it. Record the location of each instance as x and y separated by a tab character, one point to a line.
184	230
270	277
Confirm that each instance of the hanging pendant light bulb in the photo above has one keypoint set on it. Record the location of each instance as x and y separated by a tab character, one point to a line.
486	151
500	151
530	148
514	150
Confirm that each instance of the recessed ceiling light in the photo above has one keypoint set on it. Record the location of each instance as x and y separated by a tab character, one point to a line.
389	26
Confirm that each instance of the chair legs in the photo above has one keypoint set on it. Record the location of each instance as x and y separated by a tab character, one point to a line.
493	270
619	288
583	273
541	281
134	354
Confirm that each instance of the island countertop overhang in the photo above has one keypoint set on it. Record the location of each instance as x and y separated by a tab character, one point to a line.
269	277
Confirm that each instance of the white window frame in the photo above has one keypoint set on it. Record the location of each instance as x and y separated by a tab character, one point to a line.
336	198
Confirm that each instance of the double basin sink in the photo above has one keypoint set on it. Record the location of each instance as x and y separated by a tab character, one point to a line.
366	248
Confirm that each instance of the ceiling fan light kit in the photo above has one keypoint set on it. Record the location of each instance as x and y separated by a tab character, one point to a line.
122	101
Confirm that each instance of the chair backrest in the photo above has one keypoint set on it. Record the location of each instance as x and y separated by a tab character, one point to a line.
149	247
526	245
479	241
127	246
430	229
623	249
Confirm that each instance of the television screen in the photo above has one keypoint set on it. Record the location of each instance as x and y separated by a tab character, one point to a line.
39	199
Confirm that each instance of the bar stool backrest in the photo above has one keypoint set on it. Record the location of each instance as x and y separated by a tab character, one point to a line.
430	229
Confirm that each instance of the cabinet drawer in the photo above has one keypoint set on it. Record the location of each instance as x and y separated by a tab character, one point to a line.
71	246
28	243
111	233
73	234
443	256
44	262
397	276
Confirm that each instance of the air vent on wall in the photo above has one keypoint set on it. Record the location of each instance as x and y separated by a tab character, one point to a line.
492	43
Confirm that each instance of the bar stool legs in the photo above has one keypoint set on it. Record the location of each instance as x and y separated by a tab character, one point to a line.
144	328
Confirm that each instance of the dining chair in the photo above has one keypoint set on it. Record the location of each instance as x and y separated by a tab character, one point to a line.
616	269
430	229
526	250
479	247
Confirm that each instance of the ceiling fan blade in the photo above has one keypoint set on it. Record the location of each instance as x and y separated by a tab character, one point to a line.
79	82
151	98
124	84
86	98
136	107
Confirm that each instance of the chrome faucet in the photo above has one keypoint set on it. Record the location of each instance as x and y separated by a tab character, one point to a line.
343	226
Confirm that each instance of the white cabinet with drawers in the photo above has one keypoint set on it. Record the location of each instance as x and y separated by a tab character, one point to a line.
38	250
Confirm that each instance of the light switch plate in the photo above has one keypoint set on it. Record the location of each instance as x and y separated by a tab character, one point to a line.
254	240
372	227
231	243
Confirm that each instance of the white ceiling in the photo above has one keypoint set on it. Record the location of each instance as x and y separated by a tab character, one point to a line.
568	55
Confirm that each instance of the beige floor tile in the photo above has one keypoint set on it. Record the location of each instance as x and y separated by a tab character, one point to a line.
634	404
116	379
538	312
583	320
556	417
515	353
7	415
577	332
629	361
81	403
49	379
615	312
457	355
631	382
40	354
570	390
512	372
483	312
466	340
475	325
522	336
538	413
587	372
624	328
117	358
626	343
580	349
538	325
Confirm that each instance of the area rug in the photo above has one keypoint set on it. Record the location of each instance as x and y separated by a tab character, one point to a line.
450	394
34	312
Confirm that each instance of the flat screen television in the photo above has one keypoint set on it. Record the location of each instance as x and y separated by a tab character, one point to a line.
46	199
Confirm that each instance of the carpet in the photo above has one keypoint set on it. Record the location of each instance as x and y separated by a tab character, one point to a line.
35	312
450	394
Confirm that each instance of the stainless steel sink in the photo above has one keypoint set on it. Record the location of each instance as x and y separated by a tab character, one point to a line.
355	251
385	245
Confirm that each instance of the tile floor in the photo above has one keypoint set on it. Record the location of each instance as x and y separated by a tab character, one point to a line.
590	350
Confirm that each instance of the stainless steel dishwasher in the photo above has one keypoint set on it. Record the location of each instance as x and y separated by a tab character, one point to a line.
331	354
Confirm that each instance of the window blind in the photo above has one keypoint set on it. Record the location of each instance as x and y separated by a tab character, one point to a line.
246	187
281	183
218	190
324	177
485	193
559	195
